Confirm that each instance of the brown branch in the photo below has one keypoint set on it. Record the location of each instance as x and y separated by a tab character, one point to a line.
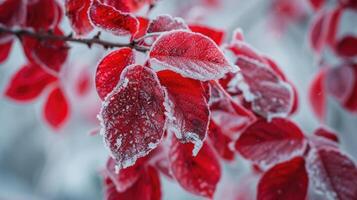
69	38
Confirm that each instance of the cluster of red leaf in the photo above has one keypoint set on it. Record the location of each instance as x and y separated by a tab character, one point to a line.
44	58
179	112
187	106
336	79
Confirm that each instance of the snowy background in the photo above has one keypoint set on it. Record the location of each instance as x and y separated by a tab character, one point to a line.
36	163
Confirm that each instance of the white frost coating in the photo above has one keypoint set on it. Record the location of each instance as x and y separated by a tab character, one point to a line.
238	81
125	82
195	139
195	69
118	142
318	176
284	114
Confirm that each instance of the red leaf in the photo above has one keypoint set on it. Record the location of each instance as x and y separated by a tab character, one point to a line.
215	34
84	82
143	26
147	187
317	95
190	54
39	18
317	4
127	5
324	29
340	82
332	25
198	175
286	180
133	115
220	141
5	49
230	116
112	20
28	83
317	34
349	3
77	12
270	96
327	134
242	49
56	109
347	46
163	23
272	64
110	68
268	143
190	112
351	103
124	178
295	107
50	54
333	174
12	12
237	35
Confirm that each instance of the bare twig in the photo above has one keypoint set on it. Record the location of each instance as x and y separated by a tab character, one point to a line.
69	38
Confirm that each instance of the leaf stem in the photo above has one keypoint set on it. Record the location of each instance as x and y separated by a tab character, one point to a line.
49	35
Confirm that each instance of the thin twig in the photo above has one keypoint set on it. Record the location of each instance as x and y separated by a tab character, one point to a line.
69	38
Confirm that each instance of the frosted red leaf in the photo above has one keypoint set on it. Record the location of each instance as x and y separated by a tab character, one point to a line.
295	107
39	18
12	12
198	175
147	187
340	82
220	141
237	35
124	178
347	46
28	83
127	5
133	116
272	64
270	96
163	23
143	26
192	55
77	12
56	109
5	49
230	116
241	48
317	4
288	180
327	133
50	54
190	114
110	68
215	34
112	20
333	174
267	143
317	95
351	103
